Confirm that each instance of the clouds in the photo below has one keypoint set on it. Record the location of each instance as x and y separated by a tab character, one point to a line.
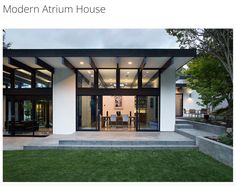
90	38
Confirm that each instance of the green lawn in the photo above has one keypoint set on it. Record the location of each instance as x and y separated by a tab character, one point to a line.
111	165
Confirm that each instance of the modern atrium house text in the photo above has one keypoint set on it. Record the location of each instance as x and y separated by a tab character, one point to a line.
53	9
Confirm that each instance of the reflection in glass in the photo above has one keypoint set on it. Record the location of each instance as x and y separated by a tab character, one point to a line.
85	78
43	79
22	79
87	112
148	112
6	79
129	78
150	79
107	78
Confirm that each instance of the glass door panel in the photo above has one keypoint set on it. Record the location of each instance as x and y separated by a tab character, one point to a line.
87	113
19	120
147	116
43	117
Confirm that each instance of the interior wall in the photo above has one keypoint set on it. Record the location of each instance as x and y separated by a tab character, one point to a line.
128	104
64	101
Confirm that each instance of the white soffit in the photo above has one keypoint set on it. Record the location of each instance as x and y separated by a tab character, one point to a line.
6	62
156	62
130	62
55	62
29	61
79	62
105	62
181	61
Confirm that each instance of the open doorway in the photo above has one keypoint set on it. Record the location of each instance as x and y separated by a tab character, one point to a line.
118	113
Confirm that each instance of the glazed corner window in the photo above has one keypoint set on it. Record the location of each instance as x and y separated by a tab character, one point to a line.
107	78
6	79
129	78
150	78
22	79
43	79
85	78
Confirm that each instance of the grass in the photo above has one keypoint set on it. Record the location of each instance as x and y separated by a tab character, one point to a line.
111	165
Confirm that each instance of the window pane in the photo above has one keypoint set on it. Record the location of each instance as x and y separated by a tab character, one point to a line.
22	79
6	79
85	78
148	113
107	78
87	112
129	78
150	79
43	79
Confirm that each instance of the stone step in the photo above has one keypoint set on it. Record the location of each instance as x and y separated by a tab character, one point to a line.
109	142
193	133
183	126
107	147
181	121
186	134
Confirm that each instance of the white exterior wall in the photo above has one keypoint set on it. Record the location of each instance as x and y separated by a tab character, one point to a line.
191	102
64	101
167	120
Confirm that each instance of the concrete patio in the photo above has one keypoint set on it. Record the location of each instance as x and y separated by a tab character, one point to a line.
100	139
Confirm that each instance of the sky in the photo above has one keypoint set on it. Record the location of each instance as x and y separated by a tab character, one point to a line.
89	38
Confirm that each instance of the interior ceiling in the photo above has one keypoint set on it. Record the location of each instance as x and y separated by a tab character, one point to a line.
101	62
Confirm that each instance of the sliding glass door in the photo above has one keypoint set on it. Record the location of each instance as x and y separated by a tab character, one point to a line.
28	116
88	114
147	115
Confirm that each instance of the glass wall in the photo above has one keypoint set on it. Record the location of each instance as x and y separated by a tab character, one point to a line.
107	78
22	79
150	78
85	78
129	78
19	118
6	79
148	115
87	112
43	79
28	117
43	117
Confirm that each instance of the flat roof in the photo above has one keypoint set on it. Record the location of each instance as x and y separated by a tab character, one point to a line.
103	58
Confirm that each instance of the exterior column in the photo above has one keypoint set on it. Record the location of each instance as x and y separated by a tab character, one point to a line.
167	97
64	101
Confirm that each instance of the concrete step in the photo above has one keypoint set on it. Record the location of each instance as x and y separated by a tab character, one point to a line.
180	121
107	147
126	143
193	133
183	126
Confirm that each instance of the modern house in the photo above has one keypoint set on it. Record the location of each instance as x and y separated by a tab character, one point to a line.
187	100
62	91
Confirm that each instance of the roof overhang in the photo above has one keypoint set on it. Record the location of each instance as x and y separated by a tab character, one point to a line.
154	58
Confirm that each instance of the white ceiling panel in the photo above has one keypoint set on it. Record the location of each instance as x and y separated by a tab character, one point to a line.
79	62
55	62
130	62
181	61
29	61
156	62
105	62
5	62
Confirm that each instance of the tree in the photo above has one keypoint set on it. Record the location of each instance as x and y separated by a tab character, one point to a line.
210	80
5	45
216	42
